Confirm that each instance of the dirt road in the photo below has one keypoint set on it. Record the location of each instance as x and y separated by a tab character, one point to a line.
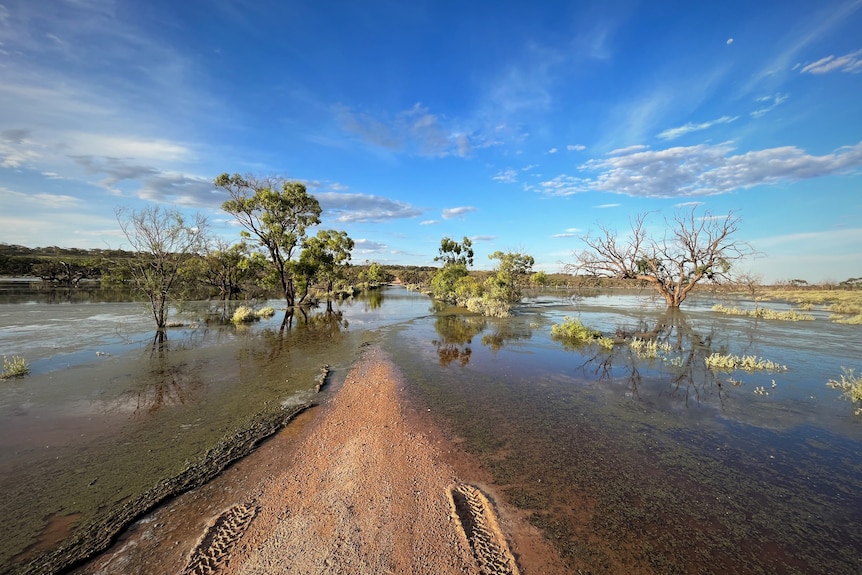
364	484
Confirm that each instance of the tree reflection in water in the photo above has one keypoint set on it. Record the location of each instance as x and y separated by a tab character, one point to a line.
457	333
675	349
167	383
456	336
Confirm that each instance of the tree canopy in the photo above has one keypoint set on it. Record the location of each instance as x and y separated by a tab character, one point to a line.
692	248
276	214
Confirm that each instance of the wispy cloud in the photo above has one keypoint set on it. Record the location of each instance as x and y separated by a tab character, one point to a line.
701	171
366	246
429	222
772	103
450	213
364	208
606	206
414	131
673	133
851	62
507	176
576	147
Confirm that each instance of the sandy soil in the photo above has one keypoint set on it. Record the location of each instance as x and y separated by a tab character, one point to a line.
363	484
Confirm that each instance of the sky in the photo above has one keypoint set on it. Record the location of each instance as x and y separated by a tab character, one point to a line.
521	125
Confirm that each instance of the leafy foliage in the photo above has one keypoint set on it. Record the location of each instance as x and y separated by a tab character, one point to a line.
275	214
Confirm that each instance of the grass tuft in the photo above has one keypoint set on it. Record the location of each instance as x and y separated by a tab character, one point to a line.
727	362
15	367
850	386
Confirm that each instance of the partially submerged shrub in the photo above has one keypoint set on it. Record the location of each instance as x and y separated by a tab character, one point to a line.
573	332
15	367
243	314
648	349
850	386
727	362
265	312
764	313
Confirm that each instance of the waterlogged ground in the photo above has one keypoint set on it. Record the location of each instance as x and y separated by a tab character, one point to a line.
629	464
635	465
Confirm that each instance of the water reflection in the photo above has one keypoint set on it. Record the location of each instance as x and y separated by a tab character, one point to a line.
456	336
167	384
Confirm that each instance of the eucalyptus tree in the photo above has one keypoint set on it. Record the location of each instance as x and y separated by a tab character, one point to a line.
275	213
162	241
513	270
324	258
692	248
453	277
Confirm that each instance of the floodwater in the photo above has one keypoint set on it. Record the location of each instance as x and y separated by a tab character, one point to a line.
629	464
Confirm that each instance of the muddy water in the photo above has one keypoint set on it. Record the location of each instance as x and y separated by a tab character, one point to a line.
656	465
105	415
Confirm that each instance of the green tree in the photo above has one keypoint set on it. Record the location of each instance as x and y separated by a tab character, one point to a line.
325	258
456	258
452	252
513	270
276	214
162	242
693	248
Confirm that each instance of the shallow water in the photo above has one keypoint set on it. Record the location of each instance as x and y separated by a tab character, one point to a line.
628	464
635	465
105	414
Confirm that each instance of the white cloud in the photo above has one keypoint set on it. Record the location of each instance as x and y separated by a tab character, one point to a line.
729	41
553	151
576	147
450	213
775	101
628	150
364	208
851	62
429	223
606	206
507	176
673	133
700	171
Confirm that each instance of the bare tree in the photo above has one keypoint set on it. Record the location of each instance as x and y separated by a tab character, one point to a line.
162	241
693	248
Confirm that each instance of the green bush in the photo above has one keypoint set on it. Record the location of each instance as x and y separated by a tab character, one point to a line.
573	332
15	367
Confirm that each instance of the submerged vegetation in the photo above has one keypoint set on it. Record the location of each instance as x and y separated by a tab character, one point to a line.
246	314
764	313
15	367
574	333
728	362
851	388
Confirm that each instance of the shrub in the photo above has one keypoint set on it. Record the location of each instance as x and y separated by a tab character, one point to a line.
764	313
242	314
648	349
15	367
572	331
727	362
265	312
850	386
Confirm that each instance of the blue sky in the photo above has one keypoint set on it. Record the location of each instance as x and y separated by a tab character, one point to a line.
521	125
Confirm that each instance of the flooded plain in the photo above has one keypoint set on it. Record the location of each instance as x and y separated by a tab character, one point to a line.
628	461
